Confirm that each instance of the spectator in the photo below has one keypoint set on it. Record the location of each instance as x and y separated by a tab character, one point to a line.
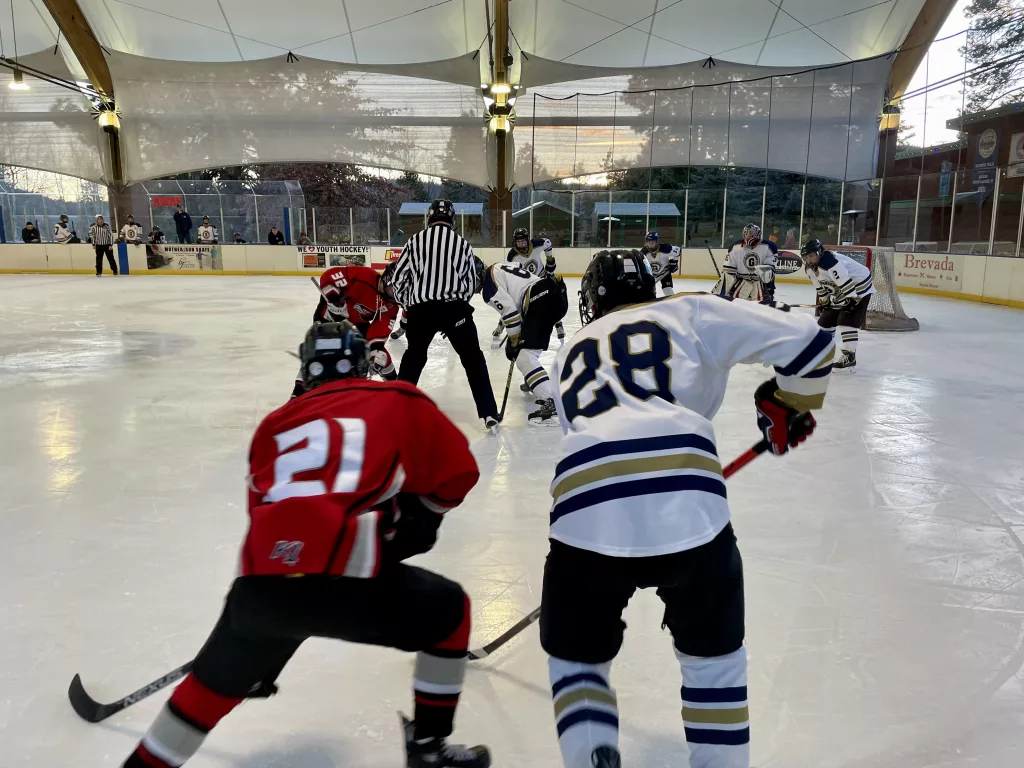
63	234
183	225
239	240
102	238
207	232
131	232
774	236
304	240
832	239
30	234
275	237
156	237
790	239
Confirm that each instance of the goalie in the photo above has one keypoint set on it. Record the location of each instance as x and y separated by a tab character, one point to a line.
749	269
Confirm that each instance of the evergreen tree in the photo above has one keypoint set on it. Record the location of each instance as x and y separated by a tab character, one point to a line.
997	31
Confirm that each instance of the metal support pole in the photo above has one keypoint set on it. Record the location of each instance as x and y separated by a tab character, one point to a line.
220	207
686	216
504	225
351	228
952	211
256	209
462	223
387	215
609	218
995	210
572	218
1020	228
842	199
917	210
764	202
532	201
313	209
878	218
647	220
725	207
803	199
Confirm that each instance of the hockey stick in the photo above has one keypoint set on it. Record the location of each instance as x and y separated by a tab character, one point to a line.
92	711
713	262
508	386
728	471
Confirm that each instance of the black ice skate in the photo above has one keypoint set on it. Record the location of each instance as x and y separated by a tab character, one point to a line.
398	333
849	360
524	387
546	414
560	331
436	753
606	757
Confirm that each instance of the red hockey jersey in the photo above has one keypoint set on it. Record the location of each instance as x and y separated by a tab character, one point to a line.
370	312
321	465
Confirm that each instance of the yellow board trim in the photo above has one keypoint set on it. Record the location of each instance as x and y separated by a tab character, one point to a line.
717	716
636	466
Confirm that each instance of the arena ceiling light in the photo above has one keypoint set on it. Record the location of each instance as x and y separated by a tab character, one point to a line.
18	83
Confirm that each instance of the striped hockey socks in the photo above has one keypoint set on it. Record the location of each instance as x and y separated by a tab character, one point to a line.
848	338
715	713
437	681
586	712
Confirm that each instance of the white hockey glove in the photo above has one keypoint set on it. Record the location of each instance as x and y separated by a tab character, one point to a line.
378	360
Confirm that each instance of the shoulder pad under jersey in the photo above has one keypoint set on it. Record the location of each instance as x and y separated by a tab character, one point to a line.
665	248
828	260
771	246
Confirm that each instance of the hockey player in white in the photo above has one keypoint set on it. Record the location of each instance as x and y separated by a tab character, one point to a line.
844	289
535	256
131	232
664	259
207	233
639	499
749	269
530	306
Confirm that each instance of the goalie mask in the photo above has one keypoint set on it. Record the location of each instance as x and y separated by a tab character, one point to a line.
751	235
333	351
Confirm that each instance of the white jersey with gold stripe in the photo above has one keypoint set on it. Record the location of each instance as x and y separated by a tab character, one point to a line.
640	473
840	279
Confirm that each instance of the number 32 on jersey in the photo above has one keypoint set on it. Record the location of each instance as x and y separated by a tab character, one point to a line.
639	354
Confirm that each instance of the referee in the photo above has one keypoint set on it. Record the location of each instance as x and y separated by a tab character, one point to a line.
434	280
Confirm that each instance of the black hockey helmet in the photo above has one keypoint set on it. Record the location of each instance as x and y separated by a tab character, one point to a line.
333	351
479	268
521	233
441	211
614	278
812	246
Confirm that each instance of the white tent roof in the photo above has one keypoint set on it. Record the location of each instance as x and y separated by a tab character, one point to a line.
590	32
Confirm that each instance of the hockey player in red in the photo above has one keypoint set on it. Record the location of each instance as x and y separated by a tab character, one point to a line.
361	296
345	482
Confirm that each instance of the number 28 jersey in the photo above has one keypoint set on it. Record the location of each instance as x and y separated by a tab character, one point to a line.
322	465
640	473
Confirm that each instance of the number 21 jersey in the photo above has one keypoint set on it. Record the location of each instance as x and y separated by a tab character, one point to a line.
321	466
640	473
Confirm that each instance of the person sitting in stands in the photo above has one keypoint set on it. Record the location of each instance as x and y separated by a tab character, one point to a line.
30	234
239	240
275	237
304	240
156	237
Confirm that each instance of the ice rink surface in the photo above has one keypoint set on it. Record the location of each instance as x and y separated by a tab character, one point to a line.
884	560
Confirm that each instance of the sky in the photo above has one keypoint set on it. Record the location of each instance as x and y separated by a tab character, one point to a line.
943	60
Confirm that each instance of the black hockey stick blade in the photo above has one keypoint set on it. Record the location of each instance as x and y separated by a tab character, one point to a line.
491	647
92	711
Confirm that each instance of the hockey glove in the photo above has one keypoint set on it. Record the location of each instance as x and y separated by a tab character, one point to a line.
783	427
411	529
512	349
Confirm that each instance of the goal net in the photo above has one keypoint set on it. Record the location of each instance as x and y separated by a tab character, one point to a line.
885	310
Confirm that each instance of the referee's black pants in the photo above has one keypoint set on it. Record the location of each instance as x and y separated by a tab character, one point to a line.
109	251
455	319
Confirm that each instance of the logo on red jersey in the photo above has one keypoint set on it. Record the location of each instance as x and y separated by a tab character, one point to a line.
287	551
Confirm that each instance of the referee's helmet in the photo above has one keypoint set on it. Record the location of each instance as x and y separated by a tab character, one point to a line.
442	211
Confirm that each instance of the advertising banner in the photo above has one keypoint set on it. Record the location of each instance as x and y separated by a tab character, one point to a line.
983	177
1015	162
184	258
931	271
323	256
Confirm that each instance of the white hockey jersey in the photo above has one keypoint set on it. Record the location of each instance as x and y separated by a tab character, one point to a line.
131	233
664	261
539	261
746	263
506	287
839	279
206	234
640	473
62	233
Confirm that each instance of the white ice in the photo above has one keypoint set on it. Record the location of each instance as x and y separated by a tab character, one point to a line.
884	573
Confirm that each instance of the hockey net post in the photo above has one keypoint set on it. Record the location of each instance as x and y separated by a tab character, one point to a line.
885	310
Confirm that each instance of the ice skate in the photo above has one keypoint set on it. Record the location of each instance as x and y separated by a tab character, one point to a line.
398	333
525	389
546	414
606	757
436	753
849	360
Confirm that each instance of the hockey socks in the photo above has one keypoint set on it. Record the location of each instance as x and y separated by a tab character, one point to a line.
848	338
586	712
180	728
715	713
437	681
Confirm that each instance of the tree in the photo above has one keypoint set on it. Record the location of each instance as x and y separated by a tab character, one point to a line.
413	184
997	31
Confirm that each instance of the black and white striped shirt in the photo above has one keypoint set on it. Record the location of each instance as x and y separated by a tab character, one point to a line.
436	265
101	235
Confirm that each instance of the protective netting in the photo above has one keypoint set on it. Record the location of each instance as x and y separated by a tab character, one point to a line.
885	310
49	127
822	122
179	116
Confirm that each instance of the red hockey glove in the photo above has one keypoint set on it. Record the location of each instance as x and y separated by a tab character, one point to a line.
783	427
